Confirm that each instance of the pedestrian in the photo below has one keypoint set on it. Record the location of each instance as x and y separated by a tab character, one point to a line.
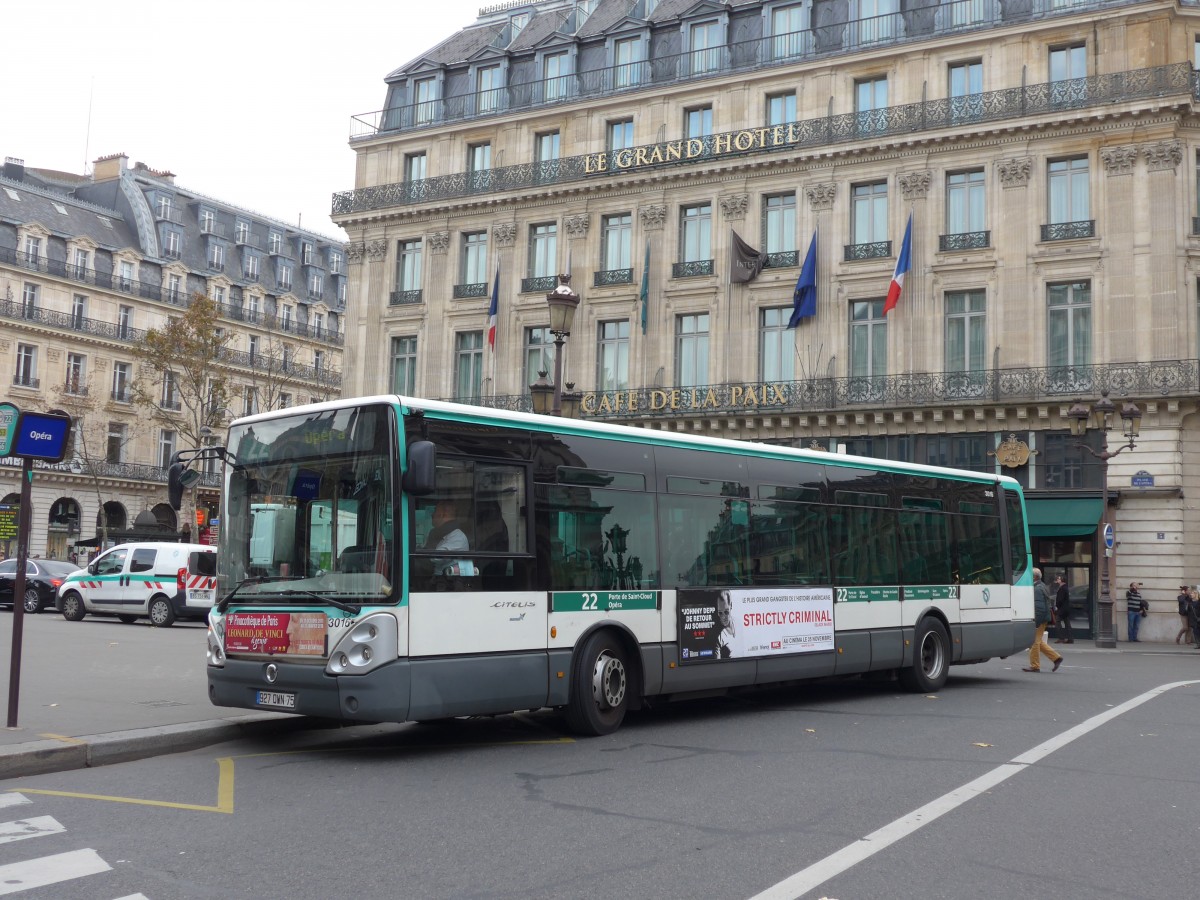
1062	611
1041	618
1184	600
1135	608
1194	614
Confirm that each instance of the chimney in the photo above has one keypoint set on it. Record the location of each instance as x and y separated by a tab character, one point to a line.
14	169
106	168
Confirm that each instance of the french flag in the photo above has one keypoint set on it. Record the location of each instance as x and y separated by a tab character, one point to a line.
902	267
492	311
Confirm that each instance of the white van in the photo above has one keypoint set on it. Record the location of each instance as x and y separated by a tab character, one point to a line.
161	581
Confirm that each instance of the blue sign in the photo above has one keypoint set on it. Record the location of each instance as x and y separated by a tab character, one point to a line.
307	485
42	436
1108	536
1142	479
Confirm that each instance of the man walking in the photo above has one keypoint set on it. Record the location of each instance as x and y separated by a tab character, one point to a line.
1062	611
1041	618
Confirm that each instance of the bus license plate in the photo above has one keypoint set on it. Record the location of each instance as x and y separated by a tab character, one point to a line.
276	699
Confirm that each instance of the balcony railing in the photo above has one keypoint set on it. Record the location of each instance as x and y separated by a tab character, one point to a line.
1069	231
784	260
262	362
217	229
168	214
466	291
1061	384
537	284
402	298
121	395
59	321
875	250
612	276
895	121
692	269
966	240
26	381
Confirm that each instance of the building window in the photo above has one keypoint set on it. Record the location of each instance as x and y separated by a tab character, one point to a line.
164	207
208	221
170	391
556	76
285	400
249	400
1069	194
616	242
216	256
620	134
776	345
115	446
29	300
869	211
289	355
966	331
335	262
543	251
80	267
316	285
425	95
695	238
628	62
781	108
787	31
408	266
1069	324
274	243
691	350
284	282
241	232
306	253
698	122
468	365
487	89
252	267
125	278
612	356
33	249
218	295
474	258
547	146
172	244
26	374
252	343
965	202
124	321
868	339
870	105
121	377
285	318
968	12
539	354
255	308
966	89
79	311
877	20
415	167
404	365
318	361
479	164
1067	63
779	224
705	45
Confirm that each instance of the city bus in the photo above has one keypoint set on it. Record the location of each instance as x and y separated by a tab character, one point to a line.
448	560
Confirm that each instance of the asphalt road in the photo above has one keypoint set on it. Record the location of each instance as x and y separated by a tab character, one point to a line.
1080	784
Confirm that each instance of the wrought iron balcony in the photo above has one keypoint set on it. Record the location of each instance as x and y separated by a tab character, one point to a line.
784	260
168	214
876	250
250	275
692	269
217	229
540	283
401	298
1069	231
612	276
26	381
60	321
1195	225
246	238
75	389
966	240
121	395
1008	104
466	291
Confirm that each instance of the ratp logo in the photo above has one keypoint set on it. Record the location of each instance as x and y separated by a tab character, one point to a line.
987	595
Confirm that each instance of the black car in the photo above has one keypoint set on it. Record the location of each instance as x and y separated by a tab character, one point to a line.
42	578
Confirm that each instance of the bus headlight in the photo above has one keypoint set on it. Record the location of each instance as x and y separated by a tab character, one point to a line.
216	639
368	645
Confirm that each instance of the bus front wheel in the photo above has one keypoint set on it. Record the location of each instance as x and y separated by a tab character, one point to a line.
931	658
599	686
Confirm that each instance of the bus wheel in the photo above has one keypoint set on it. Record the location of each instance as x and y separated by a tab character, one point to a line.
599	686
161	613
72	607
931	658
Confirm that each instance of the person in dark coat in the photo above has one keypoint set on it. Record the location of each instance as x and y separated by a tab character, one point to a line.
1062	611
1041	618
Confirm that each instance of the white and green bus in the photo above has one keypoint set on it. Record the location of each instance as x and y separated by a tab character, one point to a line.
451	560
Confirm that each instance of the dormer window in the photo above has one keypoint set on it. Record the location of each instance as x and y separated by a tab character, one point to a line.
628	62
164	207
556	75
425	95
335	262
241	232
208	221
487	88
787	30
517	24
706	44
306	253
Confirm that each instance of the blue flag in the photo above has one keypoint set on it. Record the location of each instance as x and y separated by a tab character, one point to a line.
804	301
645	293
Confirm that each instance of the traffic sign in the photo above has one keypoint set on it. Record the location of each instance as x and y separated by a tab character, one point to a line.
1108	536
8	426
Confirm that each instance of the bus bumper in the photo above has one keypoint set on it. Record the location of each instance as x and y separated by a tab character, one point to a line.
379	696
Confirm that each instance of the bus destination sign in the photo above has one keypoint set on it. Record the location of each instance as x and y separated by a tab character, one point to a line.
602	601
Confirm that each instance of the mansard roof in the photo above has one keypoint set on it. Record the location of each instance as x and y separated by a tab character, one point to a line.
37	201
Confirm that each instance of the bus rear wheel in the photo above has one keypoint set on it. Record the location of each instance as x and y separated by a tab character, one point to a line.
600	686
931	658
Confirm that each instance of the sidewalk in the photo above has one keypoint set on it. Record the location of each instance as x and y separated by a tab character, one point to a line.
124	709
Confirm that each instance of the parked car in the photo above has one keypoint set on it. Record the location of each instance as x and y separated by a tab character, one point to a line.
43	577
155	580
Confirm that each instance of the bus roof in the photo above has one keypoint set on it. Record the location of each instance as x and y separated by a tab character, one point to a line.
443	409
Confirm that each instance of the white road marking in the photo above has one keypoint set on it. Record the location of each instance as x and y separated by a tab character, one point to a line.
40	826
50	870
12	799
134	897
836	863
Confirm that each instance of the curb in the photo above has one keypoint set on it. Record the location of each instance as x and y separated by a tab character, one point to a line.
45	756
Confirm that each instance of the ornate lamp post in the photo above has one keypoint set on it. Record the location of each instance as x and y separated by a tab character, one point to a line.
1101	417
562	302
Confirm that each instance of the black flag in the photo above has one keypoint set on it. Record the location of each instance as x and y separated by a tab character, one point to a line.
747	262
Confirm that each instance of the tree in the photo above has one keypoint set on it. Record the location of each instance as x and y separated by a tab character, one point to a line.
181	380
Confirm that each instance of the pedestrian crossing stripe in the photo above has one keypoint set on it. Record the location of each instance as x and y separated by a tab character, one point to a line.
47	870
19	830
12	798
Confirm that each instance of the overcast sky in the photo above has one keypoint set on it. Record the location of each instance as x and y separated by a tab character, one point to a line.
246	101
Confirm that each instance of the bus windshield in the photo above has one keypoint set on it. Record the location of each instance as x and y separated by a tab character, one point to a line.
310	509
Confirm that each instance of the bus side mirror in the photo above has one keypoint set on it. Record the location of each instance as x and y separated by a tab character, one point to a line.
179	479
421	472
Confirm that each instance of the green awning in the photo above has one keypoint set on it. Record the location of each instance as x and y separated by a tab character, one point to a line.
1062	518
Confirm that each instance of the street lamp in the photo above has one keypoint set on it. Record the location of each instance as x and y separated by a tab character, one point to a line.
562	302
1101	417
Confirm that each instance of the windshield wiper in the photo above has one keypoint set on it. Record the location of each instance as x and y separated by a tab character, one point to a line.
351	608
223	603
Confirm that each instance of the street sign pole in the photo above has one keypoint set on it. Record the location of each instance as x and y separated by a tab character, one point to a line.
23	523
